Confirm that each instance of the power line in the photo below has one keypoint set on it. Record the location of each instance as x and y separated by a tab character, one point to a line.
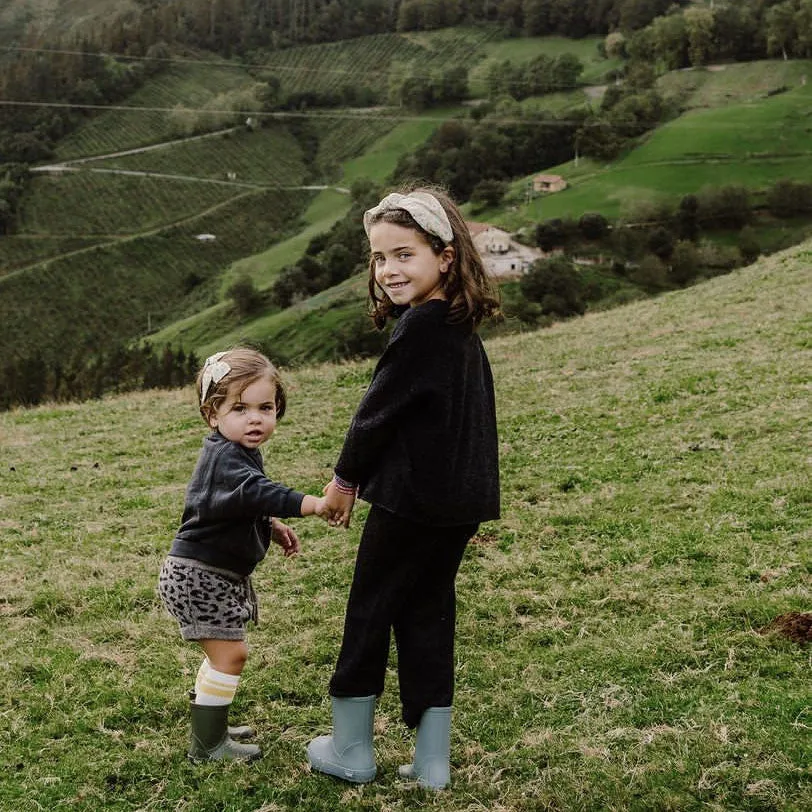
327	114
362	114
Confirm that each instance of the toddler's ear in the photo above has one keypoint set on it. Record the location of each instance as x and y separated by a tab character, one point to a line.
209	415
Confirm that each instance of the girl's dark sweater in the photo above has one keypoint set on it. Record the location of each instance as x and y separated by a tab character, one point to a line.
423	441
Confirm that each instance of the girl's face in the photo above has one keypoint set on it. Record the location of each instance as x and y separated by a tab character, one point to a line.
406	268
248	417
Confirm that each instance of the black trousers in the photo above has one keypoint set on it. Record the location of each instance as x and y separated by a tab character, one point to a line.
404	581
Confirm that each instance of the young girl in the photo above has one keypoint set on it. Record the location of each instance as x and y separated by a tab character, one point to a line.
228	522
422	449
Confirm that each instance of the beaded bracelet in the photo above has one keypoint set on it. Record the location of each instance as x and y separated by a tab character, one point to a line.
343	486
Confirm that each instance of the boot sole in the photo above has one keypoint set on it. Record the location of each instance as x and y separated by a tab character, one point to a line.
340	771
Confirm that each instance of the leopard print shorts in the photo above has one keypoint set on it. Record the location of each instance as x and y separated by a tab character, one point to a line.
209	603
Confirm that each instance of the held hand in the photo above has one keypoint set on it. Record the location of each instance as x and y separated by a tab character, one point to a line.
285	537
339	505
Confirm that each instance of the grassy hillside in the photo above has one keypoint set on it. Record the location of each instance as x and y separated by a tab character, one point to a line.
519	51
618	642
100	295
183	85
215	326
80	228
53	17
673	161
734	131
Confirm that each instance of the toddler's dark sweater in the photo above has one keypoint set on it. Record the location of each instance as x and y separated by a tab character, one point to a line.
229	502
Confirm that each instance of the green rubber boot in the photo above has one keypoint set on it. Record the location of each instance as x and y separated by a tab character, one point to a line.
237	732
209	740
431	767
348	752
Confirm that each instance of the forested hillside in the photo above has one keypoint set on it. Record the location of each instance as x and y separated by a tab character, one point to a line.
193	171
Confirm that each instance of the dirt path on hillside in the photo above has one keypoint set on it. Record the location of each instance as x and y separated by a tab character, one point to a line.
135	150
70	165
130	237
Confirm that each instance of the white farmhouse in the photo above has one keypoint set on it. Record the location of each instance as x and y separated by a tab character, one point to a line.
503	257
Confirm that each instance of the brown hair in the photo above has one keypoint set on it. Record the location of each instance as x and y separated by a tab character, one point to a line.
247	365
471	293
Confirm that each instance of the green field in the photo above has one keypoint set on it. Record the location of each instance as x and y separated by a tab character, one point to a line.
620	640
730	84
186	84
270	156
149	279
375	61
754	134
113	204
215	326
211	325
749	143
17	251
519	51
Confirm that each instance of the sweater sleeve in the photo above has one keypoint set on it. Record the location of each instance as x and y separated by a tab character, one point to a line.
403	381
239	488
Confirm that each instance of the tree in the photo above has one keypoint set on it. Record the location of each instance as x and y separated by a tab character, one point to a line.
688	217
661	242
243	292
780	27
593	225
651	274
699	23
339	263
671	41
488	193
615	45
556	286
803	27
451	84
566	70
725	207
551	234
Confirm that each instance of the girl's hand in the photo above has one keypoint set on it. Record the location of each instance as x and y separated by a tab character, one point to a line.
339	505
285	537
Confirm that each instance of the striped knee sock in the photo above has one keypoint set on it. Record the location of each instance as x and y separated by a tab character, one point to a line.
214	687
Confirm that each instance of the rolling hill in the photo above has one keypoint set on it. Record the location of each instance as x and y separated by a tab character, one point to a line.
106	248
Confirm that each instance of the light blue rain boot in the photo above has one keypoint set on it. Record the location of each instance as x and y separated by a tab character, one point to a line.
348	752
431	767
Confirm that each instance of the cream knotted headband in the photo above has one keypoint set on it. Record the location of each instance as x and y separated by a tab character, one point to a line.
214	370
424	208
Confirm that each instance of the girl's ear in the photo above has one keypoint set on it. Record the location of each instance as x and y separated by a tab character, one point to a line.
447	257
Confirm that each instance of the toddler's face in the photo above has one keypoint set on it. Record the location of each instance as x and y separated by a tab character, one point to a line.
248	417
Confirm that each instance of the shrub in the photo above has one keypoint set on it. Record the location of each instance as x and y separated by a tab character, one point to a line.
725	207
749	246
488	193
651	274
684	265
245	295
788	198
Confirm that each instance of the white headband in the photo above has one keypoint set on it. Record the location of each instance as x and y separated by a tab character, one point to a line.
425	209
214	370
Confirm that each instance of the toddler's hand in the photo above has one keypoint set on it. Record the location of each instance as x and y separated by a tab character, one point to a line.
285	537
